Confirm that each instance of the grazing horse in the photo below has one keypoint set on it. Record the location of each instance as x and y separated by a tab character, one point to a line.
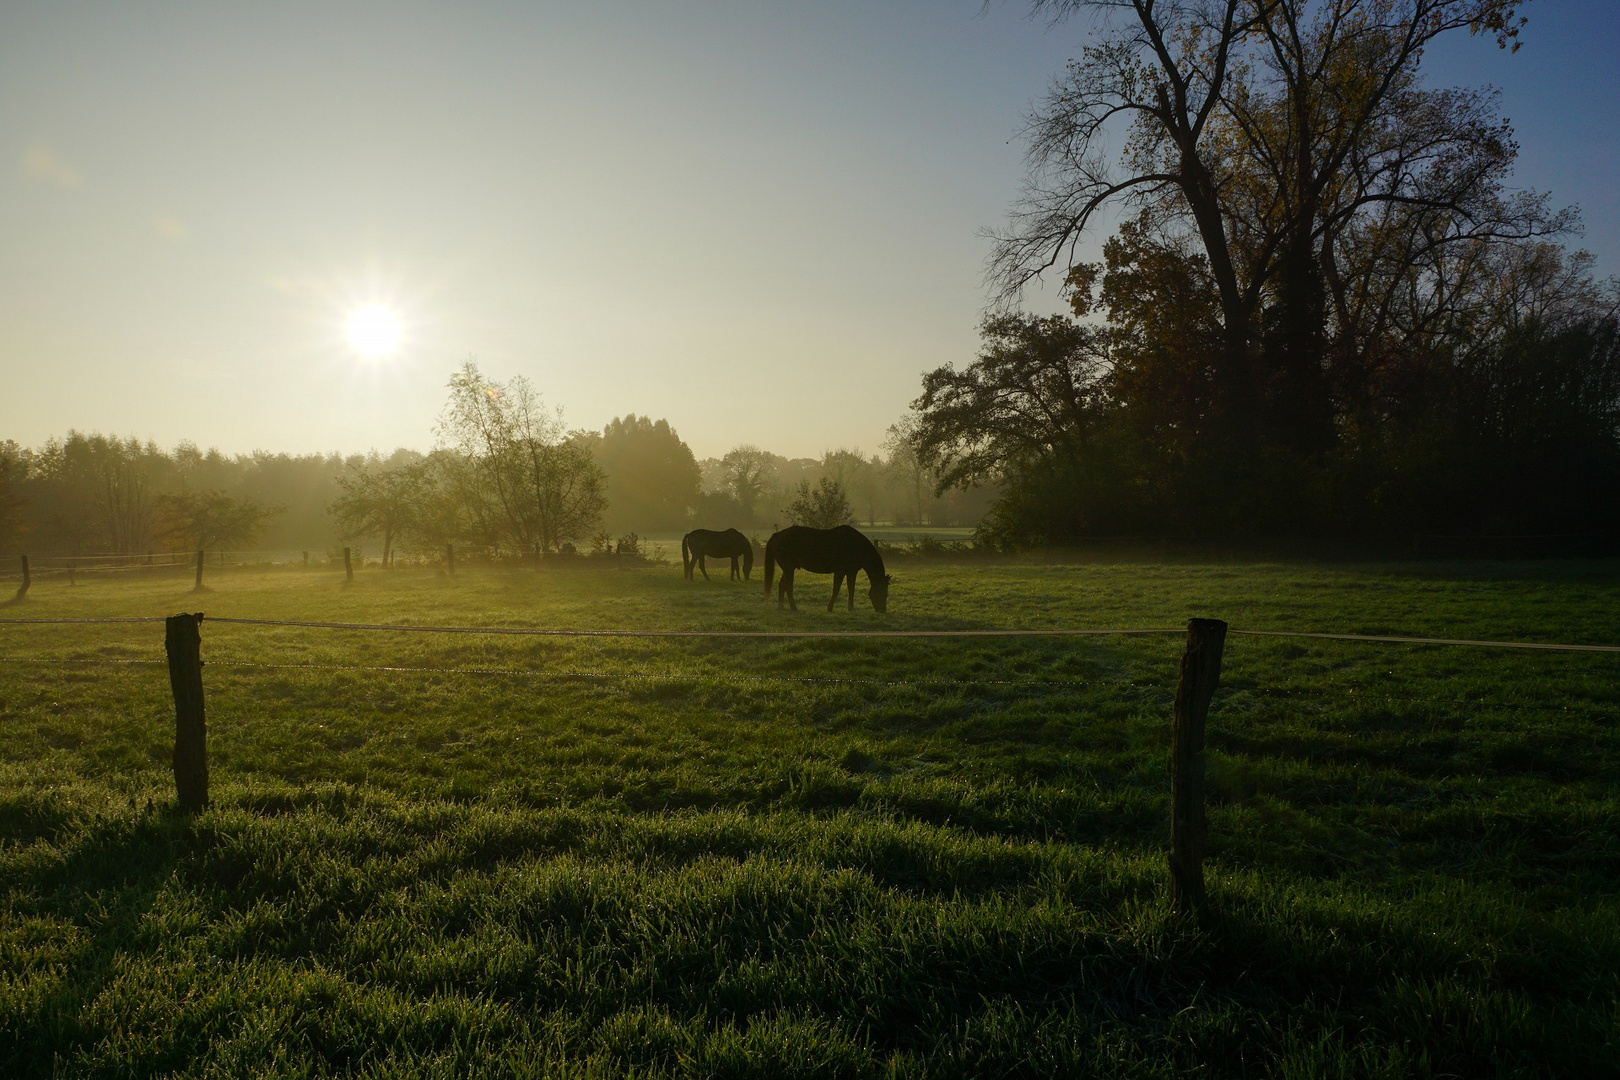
841	552
731	544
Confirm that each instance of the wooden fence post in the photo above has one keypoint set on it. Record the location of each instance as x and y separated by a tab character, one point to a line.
1200	675
22	590
450	558
306	560
182	640
199	570
348	567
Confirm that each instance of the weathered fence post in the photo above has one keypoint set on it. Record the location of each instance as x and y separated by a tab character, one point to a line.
450	558
306	560
198	586
182	640
1200	675
22	590
348	567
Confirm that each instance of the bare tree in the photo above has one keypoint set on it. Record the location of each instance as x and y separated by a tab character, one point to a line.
1272	130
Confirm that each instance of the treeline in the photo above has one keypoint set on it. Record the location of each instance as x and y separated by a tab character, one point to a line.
508	477
1325	313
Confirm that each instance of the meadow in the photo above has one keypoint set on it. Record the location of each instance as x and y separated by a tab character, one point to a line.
470	855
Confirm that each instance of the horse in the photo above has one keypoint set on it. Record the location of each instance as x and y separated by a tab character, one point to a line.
702	543
842	552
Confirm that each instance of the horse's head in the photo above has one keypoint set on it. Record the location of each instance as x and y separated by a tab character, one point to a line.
879	592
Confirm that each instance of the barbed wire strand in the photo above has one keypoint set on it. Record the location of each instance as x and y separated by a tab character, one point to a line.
534	673
853	634
1056	632
1391	638
101	619
1350	695
547	632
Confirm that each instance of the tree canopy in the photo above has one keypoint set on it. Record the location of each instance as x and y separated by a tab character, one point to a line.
1321	303
523	477
652	477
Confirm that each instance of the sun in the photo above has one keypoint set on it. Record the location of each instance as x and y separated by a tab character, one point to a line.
374	331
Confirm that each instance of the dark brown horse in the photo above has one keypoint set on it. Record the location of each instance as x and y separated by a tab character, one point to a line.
706	543
842	552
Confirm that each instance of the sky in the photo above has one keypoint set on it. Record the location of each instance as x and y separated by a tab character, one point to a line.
760	221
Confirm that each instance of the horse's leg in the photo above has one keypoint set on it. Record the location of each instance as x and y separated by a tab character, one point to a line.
787	587
852	589
838	579
734	574
703	565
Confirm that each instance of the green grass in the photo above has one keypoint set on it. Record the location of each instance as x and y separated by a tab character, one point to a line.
777	857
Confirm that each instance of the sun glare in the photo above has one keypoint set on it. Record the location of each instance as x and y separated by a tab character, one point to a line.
374	331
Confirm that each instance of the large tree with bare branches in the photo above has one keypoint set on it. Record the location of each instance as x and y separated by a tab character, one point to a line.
1295	145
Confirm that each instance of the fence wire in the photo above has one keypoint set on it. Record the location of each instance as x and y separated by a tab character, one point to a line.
526	631
1347	695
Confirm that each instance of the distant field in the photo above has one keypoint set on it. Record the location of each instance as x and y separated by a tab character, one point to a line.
779	857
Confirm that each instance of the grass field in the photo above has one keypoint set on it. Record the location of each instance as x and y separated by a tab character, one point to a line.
788	857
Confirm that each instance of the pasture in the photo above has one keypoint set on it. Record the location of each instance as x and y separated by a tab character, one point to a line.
461	855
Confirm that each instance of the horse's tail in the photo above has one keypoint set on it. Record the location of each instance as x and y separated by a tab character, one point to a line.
686	557
748	559
770	564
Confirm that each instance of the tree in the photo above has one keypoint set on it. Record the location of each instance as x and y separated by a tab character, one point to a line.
653	479
1164	334
748	472
208	520
382	501
908	467
1277	135
96	491
1038	390
823	507
856	475
11	497
525	478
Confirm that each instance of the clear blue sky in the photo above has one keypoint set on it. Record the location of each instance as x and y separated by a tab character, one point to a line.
760	221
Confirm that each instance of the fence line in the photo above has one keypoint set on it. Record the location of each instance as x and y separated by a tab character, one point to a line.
39	570
1195	690
524	631
92	619
1390	638
545	632
73	660
1342	694
658	676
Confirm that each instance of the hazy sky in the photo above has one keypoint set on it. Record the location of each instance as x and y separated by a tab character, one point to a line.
759	220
